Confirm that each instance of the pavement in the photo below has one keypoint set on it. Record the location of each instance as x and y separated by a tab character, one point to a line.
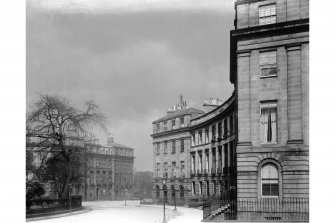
117	212
133	212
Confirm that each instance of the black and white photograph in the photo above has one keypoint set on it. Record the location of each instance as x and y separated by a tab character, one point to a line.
167	111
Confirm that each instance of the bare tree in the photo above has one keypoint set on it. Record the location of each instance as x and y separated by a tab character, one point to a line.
48	125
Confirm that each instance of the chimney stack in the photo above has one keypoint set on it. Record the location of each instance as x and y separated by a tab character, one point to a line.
110	139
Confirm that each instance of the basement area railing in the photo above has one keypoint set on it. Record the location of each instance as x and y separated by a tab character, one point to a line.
253	209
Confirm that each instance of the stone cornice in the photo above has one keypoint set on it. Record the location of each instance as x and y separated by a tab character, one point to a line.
171	132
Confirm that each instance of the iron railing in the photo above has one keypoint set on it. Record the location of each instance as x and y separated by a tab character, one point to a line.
180	201
51	205
253	209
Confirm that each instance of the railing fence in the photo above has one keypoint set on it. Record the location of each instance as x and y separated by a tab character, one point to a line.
51	205
253	209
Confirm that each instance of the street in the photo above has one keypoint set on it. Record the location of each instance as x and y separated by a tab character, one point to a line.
117	212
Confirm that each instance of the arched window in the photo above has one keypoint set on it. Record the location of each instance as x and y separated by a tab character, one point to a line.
270	180
157	191
181	191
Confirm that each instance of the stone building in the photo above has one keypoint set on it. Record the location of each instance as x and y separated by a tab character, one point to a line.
254	148
124	170
109	170
212	153
171	152
270	72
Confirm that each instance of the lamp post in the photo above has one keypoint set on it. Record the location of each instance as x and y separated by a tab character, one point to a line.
70	186
164	184
125	197
175	206
125	192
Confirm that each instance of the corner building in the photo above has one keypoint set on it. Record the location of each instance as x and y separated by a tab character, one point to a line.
171	153
270	72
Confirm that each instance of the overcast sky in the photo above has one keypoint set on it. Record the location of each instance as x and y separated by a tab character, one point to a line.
133	57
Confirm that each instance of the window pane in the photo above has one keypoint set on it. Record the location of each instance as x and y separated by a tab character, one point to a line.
268	123
266	58
266	189
269	171
267	10
270	180
267	20
270	189
274	190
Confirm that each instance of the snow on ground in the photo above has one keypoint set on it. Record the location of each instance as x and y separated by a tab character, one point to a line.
117	212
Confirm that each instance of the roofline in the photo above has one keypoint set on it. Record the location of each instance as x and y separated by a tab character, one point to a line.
229	100
226	106
110	146
187	113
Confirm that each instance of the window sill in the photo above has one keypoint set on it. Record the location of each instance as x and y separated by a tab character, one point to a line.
269	76
269	143
270	197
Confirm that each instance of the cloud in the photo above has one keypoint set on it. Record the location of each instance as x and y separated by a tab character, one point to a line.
134	65
128	5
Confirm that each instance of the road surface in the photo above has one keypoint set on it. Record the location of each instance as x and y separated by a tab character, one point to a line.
117	212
